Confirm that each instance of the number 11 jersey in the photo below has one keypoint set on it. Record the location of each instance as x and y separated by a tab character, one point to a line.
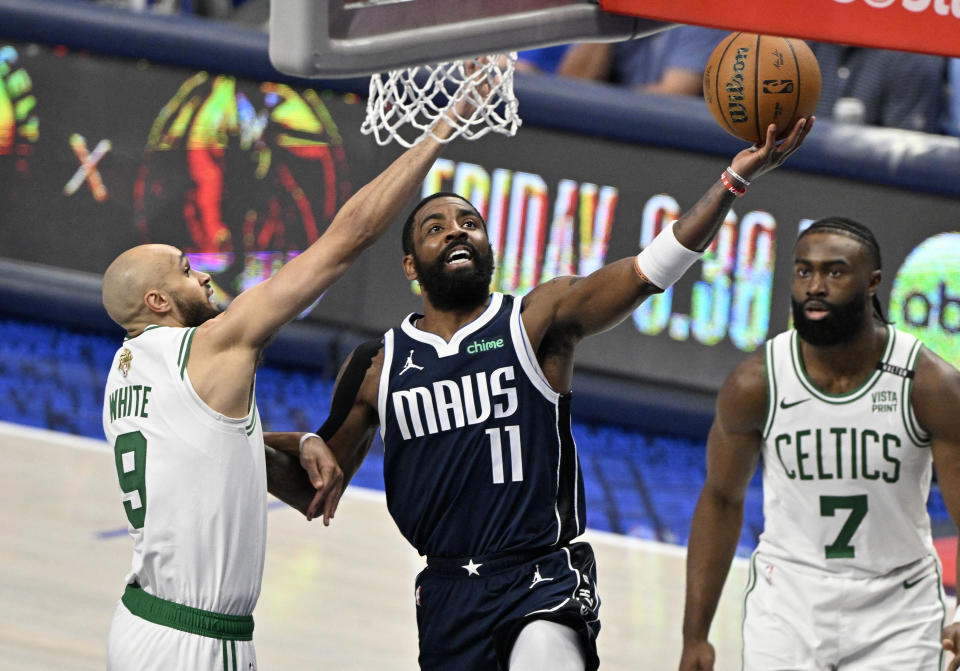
479	456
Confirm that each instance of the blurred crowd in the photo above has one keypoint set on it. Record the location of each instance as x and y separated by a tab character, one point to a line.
874	87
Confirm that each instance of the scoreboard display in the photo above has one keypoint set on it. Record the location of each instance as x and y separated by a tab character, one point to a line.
98	154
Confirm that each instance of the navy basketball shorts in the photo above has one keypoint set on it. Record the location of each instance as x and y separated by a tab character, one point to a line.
470	610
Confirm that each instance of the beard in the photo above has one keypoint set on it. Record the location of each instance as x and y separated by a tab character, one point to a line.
843	323
458	288
195	313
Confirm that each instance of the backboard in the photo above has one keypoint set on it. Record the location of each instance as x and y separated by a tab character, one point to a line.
347	38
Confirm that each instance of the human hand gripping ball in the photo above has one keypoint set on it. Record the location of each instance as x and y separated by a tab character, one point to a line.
752	81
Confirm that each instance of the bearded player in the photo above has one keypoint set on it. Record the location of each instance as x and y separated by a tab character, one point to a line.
848	414
473	402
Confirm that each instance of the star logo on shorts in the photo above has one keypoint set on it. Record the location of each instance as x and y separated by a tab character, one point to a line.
471	567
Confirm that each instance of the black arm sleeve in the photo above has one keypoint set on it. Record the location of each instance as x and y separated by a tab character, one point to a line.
348	385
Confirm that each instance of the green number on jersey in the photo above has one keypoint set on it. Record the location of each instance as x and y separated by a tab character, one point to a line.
840	548
130	453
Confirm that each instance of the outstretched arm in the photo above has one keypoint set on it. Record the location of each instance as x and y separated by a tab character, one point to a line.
568	309
733	450
256	314
936	397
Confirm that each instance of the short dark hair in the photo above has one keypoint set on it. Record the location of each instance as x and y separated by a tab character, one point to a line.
860	233
407	236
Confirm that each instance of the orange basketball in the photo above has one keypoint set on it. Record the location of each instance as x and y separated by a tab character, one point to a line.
752	81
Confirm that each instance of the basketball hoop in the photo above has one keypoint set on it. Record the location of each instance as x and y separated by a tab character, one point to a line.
405	105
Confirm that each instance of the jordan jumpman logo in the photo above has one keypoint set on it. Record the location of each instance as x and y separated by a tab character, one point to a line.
407	366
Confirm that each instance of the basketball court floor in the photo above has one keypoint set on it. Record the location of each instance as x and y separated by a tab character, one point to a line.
333	598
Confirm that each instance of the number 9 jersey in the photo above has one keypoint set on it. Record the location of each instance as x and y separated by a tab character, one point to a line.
479	457
193	481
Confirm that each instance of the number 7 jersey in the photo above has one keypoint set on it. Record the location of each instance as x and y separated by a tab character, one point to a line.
479	456
845	477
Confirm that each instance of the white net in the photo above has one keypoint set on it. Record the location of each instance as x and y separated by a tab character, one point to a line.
475	95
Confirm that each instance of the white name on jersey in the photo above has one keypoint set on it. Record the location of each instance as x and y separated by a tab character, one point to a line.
453	404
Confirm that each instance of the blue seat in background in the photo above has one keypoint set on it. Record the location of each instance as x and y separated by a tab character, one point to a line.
641	484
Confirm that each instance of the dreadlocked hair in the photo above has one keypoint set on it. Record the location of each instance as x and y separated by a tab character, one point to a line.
860	233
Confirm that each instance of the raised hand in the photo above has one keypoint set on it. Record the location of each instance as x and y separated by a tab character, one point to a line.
760	159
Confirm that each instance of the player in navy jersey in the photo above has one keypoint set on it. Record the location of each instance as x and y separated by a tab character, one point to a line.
473	403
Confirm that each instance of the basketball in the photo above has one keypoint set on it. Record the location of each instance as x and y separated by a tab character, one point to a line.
754	80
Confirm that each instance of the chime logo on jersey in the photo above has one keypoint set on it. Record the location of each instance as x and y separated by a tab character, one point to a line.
453	404
478	346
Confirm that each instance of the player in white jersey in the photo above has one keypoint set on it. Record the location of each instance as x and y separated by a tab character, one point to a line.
847	414
181	417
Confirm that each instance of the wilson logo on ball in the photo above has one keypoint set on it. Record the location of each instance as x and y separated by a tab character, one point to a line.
734	87
751	81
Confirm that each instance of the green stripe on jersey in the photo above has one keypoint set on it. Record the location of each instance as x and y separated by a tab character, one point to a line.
771	389
185	349
916	434
751	583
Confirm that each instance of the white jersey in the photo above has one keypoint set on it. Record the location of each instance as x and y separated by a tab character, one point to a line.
194	482
845	477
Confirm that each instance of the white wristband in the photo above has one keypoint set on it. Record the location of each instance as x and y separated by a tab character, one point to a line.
956	615
665	260
303	438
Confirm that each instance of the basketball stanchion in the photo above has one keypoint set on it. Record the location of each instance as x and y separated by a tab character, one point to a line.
405	105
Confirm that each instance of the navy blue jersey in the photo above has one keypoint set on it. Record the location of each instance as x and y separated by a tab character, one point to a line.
479	457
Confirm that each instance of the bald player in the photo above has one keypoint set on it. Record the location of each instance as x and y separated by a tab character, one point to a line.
181	416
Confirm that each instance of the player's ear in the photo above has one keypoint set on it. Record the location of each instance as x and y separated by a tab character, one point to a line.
875	277
409	268
157	302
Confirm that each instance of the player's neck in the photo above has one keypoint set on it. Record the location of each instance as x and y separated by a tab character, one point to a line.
840	368
445	323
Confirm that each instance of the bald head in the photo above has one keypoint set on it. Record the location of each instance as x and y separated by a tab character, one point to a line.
131	276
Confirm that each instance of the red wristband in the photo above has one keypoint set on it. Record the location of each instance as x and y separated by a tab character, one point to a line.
730	187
